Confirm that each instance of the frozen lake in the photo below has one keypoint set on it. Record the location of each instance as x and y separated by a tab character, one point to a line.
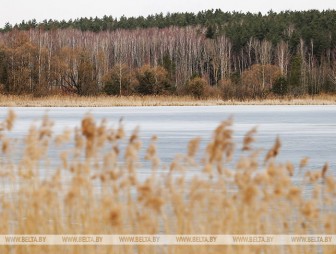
304	130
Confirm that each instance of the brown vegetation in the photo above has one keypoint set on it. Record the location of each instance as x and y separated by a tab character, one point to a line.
95	188
159	62
116	101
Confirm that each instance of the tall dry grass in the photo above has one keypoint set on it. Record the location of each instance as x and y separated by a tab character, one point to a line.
109	101
95	188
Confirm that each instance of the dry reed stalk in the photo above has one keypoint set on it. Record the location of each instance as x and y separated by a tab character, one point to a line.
304	162
274	151
95	190
249	139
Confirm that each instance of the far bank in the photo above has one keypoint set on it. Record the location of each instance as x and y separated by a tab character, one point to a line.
123	101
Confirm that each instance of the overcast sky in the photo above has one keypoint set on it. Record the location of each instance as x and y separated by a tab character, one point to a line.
14	11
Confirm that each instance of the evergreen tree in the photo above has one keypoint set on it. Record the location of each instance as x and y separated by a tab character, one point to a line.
295	72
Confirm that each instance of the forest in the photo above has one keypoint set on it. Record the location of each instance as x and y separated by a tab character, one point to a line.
211	53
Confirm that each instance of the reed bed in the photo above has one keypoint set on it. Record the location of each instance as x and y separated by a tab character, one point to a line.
115	101
96	189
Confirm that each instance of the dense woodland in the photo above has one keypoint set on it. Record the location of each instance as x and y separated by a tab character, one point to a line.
211	53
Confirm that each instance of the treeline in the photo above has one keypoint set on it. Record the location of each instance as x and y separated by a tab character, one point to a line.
209	53
239	27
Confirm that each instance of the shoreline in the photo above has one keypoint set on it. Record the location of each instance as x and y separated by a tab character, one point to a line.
141	101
